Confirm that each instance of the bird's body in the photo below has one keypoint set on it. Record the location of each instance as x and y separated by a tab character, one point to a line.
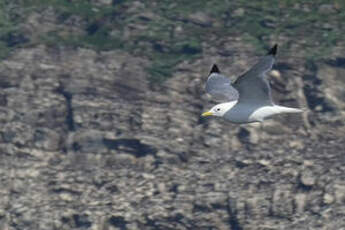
249	97
241	113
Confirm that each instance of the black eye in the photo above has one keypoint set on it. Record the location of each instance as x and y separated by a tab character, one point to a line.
218	109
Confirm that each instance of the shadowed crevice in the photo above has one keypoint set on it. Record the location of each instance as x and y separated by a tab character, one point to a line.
118	222
68	97
232	213
314	96
82	221
132	146
338	62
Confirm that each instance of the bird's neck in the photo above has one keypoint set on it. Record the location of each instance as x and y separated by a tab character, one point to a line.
230	105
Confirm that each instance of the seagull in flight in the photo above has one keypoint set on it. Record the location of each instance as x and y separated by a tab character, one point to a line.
249	97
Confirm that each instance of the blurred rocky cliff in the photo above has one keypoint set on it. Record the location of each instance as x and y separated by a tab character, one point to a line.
100	107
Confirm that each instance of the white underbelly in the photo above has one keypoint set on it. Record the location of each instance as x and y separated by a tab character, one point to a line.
248	114
262	113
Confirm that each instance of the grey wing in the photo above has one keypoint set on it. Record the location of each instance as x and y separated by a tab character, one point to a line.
220	88
253	86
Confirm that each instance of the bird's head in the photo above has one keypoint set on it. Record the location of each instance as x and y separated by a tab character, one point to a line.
219	110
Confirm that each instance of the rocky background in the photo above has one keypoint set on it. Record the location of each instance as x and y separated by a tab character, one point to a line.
100	107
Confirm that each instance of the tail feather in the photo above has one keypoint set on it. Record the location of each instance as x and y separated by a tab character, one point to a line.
283	109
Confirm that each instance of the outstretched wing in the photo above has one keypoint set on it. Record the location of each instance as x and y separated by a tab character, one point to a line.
253	85
219	86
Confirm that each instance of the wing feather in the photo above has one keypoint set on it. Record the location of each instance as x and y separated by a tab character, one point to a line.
219	86
253	86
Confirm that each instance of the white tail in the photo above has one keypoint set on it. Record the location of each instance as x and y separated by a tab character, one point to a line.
283	109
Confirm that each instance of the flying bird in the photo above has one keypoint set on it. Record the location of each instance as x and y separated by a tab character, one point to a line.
249	97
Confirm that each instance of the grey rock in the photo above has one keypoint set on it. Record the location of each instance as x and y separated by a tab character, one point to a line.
326	9
307	178
238	12
86	142
200	18
282	205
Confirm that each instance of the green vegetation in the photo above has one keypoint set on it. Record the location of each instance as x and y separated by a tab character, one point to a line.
97	29
8	30
70	7
164	32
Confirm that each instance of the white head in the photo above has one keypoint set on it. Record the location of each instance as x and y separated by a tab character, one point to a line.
220	109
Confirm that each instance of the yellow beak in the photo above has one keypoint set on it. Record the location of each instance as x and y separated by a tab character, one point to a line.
206	114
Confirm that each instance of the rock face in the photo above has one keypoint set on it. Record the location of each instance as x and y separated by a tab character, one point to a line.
88	143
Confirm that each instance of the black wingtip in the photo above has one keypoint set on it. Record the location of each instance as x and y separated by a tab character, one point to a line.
214	69
273	50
